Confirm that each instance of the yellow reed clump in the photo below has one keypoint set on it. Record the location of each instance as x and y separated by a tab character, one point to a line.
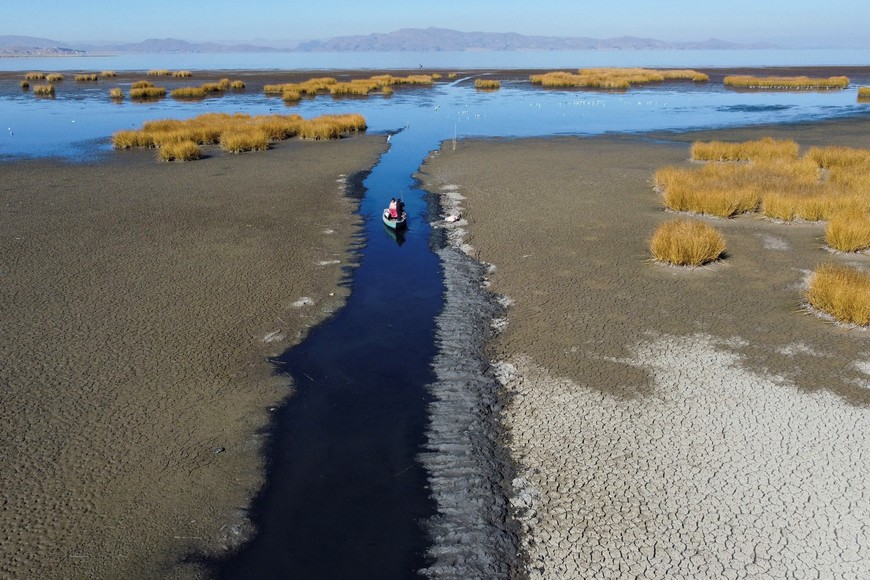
238	132
687	243
839	157
613	78
188	93
487	85
159	72
849	232
785	83
451	75
141	84
182	74
25	85
436	76
179	151
762	149
148	93
34	76
841	292
54	77
87	77
864	94
237	85
116	93
721	190
43	90
240	139
108	74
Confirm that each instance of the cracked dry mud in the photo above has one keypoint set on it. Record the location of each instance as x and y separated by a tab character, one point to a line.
664	423
138	303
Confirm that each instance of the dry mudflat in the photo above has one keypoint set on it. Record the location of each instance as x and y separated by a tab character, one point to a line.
139	304
663	423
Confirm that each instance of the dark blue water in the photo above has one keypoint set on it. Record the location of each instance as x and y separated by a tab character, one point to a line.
345	496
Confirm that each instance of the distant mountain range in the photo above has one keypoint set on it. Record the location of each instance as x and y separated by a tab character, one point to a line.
406	39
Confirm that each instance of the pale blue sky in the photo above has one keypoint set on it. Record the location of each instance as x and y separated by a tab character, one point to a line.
794	23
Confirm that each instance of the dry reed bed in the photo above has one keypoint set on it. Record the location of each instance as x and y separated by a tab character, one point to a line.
487	85
292	92
786	83
87	77
206	89
825	184
842	292
43	90
34	76
613	78
235	133
864	93
685	242
54	77
116	93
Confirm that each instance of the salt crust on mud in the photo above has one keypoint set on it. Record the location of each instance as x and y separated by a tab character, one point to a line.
722	472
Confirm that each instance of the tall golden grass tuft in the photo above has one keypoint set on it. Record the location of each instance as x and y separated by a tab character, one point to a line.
487	85
54	77
839	157
762	149
159	72
841	292
87	77
687	243
864	94
721	190
245	138
849	232
180	151
451	75
132	140
25	85
34	76
145	93
108	74
141	84
116	93
182	74
786	83
43	90
237	85
188	93
436	76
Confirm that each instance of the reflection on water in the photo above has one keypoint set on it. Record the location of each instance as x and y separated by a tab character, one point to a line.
397	236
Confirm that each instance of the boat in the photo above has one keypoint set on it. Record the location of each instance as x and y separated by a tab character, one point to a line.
397	223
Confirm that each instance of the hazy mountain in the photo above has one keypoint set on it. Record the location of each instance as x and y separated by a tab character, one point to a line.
406	39
32	46
442	39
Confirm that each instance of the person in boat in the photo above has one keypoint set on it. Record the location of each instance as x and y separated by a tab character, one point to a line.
394	213
400	208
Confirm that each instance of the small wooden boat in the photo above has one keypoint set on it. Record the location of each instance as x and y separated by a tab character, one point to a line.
397	223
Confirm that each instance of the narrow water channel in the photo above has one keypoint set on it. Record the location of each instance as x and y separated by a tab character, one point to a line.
346	496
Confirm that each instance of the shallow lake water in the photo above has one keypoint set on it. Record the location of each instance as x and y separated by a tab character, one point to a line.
346	495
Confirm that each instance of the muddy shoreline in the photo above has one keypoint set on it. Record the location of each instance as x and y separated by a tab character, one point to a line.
141	304
660	422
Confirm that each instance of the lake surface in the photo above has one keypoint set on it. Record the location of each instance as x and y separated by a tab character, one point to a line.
346	496
466	60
